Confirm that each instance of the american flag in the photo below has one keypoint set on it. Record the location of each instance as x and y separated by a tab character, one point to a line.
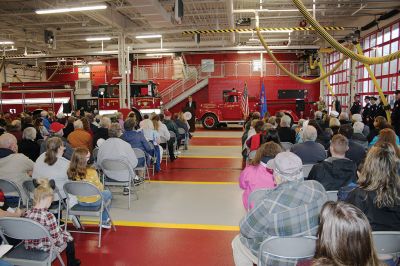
245	101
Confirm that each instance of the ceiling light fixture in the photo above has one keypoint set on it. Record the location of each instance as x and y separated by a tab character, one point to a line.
95	63
69	9
161	54
149	36
6	42
93	39
267	31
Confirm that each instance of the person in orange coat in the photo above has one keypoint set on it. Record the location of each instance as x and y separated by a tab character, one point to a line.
80	138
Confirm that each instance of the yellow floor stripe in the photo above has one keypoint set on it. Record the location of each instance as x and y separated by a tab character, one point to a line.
171	225
194	182
210	157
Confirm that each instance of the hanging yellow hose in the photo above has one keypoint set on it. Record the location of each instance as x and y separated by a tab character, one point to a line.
376	84
324	34
328	84
313	65
290	74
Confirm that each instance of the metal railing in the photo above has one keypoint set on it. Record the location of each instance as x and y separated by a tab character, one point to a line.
182	85
220	69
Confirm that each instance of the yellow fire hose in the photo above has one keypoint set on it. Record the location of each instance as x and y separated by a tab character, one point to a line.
328	84
290	74
376	84
324	34
313	65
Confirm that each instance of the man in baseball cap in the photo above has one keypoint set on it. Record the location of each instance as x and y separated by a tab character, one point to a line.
292	208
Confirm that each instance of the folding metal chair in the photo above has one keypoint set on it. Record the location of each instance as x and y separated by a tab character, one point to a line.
307	169
387	243
55	208
116	166
141	154
332	195
27	229
185	141
286	250
10	188
286	146
86	189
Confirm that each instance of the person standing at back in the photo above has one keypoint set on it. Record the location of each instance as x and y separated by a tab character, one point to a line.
357	106
396	114
191	108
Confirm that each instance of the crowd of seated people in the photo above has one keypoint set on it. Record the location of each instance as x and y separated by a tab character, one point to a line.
358	164
51	150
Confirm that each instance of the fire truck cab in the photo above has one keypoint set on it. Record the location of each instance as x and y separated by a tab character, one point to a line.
228	112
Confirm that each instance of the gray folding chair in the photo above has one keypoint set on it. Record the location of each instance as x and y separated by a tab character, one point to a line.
286	250
86	189
141	154
116	166
256	196
54	208
332	195
185	141
9	188
173	135
27	229
286	146
307	169
387	243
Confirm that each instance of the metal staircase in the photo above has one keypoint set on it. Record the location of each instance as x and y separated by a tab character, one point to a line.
180	90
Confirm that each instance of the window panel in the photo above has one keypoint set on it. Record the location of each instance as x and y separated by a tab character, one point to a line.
395	31
386	34
366	43
379	38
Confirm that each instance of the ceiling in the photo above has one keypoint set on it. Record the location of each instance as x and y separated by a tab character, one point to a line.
19	23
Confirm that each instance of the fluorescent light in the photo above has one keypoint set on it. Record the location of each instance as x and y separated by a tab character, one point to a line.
149	36
161	54
95	63
108	52
92	39
267	31
69	9
6	42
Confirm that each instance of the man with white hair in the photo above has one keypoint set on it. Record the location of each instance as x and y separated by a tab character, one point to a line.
290	209
45	120
28	145
358	136
286	134
80	137
344	118
358	118
309	151
13	165
102	130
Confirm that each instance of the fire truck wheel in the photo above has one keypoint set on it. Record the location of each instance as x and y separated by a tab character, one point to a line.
209	121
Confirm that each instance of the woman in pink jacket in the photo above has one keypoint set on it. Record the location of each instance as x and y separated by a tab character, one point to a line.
256	175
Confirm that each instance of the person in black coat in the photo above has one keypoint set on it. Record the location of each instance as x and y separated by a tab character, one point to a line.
366	111
336	171
396	114
357	106
286	134
191	107
336	106
102	131
28	146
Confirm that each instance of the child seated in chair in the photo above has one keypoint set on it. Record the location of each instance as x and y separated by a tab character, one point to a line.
42	199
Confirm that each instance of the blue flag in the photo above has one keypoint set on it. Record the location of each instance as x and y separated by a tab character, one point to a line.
263	99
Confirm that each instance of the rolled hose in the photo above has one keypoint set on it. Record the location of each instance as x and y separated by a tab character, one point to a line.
328	84
376	84
290	74
313	65
324	34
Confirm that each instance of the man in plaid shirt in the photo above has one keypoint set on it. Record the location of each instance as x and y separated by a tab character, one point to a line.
291	209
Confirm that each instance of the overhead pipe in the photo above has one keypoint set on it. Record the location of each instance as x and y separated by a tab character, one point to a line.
231	22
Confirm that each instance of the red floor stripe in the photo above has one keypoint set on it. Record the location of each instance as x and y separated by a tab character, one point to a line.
198	175
205	163
215	142
155	246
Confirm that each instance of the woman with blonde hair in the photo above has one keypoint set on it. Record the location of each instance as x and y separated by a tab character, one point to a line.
79	171
42	199
256	175
344	237
378	190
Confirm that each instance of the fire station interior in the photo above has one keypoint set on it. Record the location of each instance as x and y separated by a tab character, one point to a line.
225	79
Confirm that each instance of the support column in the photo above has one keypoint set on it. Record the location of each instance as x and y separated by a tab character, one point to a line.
122	69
